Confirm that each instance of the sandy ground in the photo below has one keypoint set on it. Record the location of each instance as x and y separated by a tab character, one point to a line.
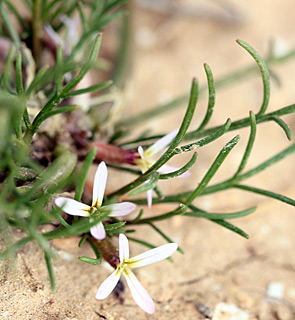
255	275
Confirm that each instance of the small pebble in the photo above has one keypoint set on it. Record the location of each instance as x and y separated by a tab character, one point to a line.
167	307
5	314
275	290
224	311
204	310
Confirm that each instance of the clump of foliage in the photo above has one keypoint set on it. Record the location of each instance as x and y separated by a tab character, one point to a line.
44	133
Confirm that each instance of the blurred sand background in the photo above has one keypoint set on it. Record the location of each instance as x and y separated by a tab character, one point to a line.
218	266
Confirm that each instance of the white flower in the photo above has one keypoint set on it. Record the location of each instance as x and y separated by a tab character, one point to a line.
76	208
145	160
139	294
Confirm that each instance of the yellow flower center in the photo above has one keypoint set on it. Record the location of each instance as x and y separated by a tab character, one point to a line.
144	163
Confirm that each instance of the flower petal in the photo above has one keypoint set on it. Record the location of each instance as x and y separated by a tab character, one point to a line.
140	152
139	294
168	169
162	143
99	184
108	285
72	207
120	209
153	255
123	247
98	231
149	194
53	35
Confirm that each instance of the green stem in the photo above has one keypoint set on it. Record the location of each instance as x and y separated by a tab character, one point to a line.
37	29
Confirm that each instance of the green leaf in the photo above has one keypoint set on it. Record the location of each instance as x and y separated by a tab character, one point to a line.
82	18
148	185
18	74
13	10
83	239
266	193
264	73
108	19
96	87
83	174
159	193
231	182
58	70
182	170
9	25
6	80
58	111
219	216
111	5
56	212
114	226
264	165
284	126
39	78
92	261
48	8
212	170
210	138
231	227
50	270
211	101
249	145
137	218
14	247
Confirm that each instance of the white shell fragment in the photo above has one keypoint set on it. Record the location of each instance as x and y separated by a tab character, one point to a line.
224	311
275	290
